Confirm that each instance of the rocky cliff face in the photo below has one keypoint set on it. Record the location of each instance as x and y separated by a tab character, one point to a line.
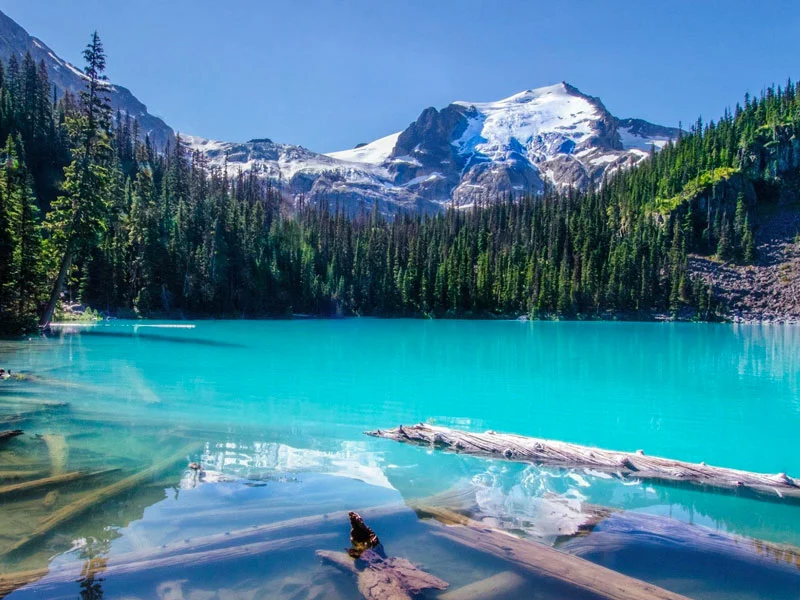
15	41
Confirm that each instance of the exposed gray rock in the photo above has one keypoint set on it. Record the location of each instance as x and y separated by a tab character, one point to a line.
769	290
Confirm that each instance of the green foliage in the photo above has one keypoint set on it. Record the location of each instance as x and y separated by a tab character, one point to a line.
134	230
78	217
694	188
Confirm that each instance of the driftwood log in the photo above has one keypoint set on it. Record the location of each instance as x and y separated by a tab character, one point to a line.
95	497
502	584
7	435
560	519
538	451
550	564
18	475
627	529
22	417
16	489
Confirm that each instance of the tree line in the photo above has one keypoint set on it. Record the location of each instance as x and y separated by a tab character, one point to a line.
90	210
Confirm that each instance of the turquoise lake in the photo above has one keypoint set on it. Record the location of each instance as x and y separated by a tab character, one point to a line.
278	410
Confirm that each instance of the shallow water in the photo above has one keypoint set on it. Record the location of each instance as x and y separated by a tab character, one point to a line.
278	409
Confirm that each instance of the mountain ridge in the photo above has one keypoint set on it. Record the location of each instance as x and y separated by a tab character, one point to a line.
462	154
66	77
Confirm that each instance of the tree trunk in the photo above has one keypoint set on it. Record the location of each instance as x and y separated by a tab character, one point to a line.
58	286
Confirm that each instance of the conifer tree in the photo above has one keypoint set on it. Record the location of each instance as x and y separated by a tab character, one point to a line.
76	219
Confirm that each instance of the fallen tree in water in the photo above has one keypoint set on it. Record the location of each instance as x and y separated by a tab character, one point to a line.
96	497
548	563
378	576
7	435
538	451
15	489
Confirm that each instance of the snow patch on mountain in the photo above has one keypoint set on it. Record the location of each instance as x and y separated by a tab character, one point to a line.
634	141
373	153
534	123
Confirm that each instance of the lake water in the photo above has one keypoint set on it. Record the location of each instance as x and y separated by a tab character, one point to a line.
275	411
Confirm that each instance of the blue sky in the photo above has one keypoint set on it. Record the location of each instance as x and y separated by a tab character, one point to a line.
330	74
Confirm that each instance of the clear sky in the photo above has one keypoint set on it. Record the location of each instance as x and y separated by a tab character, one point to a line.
328	74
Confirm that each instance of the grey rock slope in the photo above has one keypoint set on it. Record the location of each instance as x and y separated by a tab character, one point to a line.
14	40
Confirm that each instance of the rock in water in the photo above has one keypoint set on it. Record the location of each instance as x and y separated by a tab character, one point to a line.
379	577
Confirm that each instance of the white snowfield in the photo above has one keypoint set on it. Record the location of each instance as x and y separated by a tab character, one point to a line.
631	141
374	153
524	121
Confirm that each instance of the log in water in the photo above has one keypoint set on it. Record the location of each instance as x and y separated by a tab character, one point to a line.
47	483
506	446
10	434
542	561
95	497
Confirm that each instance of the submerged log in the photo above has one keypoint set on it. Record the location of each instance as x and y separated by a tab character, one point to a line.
558	519
538	451
17	475
146	565
502	584
379	577
12	582
25	416
36	484
551	564
7	435
36	405
383	578
96	497
214	547
701	549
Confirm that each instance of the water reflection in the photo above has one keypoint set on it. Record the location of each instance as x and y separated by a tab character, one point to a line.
279	412
95	560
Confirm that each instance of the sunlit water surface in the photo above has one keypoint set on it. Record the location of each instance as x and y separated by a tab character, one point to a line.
275	411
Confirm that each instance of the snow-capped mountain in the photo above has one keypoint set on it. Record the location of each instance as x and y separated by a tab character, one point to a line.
15	41
464	153
300	173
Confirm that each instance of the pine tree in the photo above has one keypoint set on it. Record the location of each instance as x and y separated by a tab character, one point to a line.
76	218
748	243
8	241
725	246
28	256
